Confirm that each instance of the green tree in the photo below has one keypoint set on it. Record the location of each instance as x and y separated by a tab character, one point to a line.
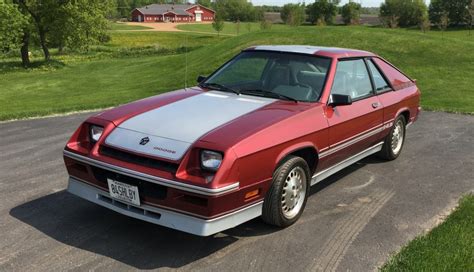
233	10
425	24
350	13
389	14
322	11
293	14
84	23
444	22
265	24
206	3
141	3
53	23
218	24
403	12
471	13
456	11
258	14
12	23
237	27
124	8
42	14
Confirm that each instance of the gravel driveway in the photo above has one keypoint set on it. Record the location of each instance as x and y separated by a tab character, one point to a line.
163	27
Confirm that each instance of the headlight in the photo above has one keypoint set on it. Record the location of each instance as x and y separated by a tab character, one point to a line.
96	132
211	160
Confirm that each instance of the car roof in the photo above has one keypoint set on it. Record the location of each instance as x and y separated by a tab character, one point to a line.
333	52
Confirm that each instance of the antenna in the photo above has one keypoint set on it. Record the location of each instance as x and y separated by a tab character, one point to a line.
185	61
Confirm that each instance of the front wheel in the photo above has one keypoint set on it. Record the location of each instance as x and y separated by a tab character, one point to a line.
394	141
286	198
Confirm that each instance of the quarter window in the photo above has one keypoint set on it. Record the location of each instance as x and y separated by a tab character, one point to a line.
352	78
395	77
379	81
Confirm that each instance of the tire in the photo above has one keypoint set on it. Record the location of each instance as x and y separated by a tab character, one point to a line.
284	202
394	141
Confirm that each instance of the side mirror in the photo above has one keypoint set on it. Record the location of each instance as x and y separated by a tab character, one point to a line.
200	79
340	100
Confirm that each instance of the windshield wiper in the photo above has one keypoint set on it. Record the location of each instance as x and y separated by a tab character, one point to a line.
218	87
268	94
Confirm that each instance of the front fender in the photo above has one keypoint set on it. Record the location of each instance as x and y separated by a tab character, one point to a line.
294	148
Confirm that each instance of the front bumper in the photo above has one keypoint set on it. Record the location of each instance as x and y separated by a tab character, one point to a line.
163	217
153	179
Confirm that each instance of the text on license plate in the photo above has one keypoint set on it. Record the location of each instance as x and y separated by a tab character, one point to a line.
124	192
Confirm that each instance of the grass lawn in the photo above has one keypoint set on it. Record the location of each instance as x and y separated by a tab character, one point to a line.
448	247
123	26
160	39
123	44
443	67
231	28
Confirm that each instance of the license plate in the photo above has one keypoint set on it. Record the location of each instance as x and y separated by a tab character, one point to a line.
124	192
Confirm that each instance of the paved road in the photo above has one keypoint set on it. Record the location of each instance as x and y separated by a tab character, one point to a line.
353	221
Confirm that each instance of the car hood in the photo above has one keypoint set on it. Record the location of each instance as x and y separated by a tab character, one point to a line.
170	129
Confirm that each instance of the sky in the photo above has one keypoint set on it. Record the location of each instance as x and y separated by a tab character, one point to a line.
365	3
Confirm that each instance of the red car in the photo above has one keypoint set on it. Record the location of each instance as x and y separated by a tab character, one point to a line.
249	141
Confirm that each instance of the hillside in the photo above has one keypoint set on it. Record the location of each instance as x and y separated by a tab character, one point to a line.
443	66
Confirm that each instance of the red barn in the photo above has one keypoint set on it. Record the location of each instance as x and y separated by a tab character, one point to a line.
172	13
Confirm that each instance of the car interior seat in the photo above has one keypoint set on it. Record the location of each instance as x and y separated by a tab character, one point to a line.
313	79
280	74
282	81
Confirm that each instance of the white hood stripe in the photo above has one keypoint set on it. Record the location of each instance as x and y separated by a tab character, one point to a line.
170	130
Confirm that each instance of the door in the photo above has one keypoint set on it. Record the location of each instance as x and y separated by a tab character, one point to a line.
353	128
139	18
198	17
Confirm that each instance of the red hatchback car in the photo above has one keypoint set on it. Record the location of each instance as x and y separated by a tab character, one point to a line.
249	141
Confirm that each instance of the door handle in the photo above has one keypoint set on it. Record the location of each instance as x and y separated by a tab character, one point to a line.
375	105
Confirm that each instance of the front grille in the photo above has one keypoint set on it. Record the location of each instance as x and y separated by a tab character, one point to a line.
144	161
145	189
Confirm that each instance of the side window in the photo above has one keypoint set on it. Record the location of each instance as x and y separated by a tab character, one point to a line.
352	78
379	81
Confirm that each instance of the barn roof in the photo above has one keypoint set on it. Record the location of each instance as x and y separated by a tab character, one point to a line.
160	9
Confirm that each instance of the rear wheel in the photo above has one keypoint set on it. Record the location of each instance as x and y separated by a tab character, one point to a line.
286	198
395	139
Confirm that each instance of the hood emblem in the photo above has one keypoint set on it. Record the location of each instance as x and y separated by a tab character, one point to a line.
144	141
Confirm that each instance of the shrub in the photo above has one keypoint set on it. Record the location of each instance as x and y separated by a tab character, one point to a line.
350	13
265	24
322	11
218	24
293	14
456	11
402	13
233	10
425	24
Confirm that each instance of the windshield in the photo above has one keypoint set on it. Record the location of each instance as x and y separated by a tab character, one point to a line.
273	74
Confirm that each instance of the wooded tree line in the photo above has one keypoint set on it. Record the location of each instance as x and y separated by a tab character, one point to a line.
393	13
236	10
321	12
406	13
73	24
